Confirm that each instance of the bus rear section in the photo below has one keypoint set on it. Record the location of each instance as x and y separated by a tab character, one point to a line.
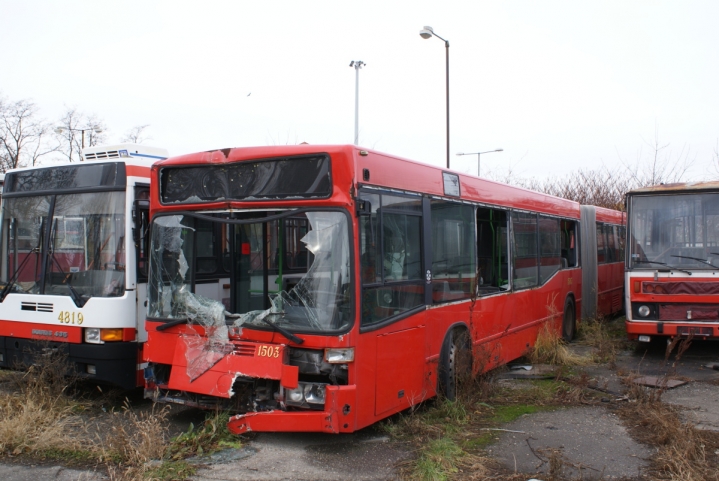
672	276
323	288
603	236
73	270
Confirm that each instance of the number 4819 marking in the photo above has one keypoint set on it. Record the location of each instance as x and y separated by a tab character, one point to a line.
67	317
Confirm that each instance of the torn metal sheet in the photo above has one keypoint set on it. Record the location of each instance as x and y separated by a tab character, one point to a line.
658	382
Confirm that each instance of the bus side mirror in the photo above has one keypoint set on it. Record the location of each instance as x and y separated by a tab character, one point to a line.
141	204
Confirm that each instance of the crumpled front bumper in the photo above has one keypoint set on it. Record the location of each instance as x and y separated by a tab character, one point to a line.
338	416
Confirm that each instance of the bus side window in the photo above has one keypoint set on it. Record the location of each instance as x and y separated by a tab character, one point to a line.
492	249
549	248
569	243
390	257
453	264
526	262
602	257
140	233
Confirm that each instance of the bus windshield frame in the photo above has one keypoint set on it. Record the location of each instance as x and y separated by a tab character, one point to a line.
57	244
292	268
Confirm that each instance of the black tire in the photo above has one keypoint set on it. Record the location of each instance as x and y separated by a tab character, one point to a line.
455	363
569	322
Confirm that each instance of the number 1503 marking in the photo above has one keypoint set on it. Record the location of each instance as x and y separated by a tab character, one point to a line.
269	351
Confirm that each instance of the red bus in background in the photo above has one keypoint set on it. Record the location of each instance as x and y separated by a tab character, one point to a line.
672	288
323	288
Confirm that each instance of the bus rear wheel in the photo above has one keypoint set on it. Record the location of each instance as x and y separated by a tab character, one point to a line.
455	363
569	323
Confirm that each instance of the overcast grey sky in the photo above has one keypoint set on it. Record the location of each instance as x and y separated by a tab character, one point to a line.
558	85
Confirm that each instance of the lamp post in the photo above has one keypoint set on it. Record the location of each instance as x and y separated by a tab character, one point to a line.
478	154
428	32
96	129
357	64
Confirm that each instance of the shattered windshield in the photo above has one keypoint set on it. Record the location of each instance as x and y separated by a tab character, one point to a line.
76	240
292	269
679	231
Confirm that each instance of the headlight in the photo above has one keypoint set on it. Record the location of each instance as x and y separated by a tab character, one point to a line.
645	311
93	336
308	395
339	355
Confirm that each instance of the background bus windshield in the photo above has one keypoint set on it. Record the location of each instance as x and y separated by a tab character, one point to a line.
681	231
76	240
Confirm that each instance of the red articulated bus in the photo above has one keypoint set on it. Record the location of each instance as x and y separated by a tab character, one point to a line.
323	288
672	277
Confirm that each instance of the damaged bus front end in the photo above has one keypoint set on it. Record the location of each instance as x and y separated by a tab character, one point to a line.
248	311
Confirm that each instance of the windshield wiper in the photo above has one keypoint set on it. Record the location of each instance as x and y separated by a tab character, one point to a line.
663	264
13	278
170	324
78	299
703	261
282	330
184	320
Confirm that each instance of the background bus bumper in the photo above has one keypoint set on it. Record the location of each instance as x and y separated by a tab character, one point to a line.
114	363
339	416
670	329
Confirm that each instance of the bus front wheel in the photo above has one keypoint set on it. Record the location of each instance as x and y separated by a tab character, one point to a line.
569	323
455	363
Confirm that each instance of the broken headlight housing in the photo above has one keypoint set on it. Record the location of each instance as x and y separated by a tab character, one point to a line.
308	395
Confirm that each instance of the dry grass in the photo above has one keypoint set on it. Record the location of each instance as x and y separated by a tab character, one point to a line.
605	337
683	451
135	438
37	415
41	419
551	349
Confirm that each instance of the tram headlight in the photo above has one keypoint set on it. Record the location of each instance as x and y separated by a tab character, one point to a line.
644	311
308	395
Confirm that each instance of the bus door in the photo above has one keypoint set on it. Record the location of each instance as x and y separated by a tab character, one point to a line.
493	313
393	315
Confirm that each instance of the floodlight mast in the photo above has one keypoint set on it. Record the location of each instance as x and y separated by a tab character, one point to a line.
357	64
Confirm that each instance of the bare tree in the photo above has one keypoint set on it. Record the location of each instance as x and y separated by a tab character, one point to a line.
661	166
135	134
23	134
76	131
601	187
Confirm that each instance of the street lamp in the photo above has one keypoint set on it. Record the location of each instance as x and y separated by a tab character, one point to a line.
478	154
358	64
96	129
428	32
